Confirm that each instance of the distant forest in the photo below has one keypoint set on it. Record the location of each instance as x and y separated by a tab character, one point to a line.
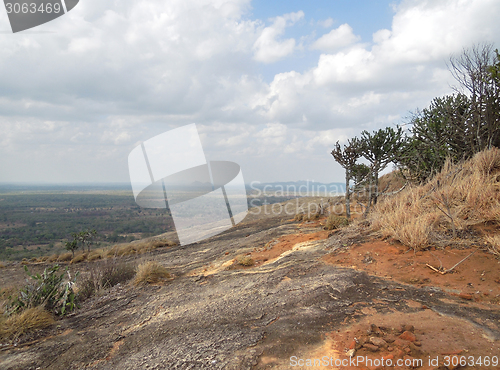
33	224
36	222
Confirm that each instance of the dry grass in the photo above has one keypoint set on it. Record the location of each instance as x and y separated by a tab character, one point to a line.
65	257
307	217
245	261
459	196
335	222
31	319
95	255
119	250
53	258
79	258
2	265
493	244
390	182
299	217
150	272
103	275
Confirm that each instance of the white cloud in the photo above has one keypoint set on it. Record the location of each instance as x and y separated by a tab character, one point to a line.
336	39
327	23
108	77
268	49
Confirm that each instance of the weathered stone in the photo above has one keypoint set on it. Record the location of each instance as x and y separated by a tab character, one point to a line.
409	328
466	296
370	347
389	338
379	342
409	336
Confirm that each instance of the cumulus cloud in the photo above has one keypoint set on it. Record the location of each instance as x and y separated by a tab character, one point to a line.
403	69
268	48
326	23
336	39
107	77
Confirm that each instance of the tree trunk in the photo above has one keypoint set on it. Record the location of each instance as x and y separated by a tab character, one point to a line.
347	196
375	194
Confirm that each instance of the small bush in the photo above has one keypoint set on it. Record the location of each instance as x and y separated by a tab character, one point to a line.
336	222
314	216
114	273
48	290
245	261
150	272
34	318
103	275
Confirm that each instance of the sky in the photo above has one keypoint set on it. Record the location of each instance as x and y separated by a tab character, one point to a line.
271	85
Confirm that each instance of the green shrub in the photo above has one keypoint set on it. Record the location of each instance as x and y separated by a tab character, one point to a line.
48	290
336	222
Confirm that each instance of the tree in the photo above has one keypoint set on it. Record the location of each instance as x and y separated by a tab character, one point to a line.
85	237
380	149
494	70
438	132
347	157
475	70
72	246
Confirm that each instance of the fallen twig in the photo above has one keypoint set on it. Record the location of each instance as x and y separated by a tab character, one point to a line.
462	261
445	271
435	269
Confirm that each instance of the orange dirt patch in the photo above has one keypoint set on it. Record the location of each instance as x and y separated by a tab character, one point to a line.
424	336
475	279
276	247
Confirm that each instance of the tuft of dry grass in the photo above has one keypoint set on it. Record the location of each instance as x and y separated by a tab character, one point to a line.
65	257
461	195
493	244
245	261
299	217
335	222
103	275
95	255
53	258
150	272
28	320
79	258
118	250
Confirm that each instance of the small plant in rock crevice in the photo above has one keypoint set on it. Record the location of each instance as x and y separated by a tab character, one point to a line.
48	290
